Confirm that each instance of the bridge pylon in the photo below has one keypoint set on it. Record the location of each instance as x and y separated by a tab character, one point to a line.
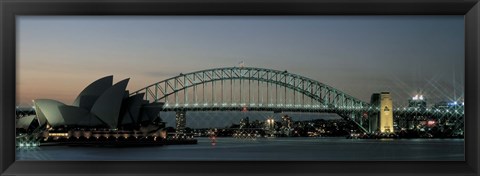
356	118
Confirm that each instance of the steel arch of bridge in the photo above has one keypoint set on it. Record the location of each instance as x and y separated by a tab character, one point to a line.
325	95
323	98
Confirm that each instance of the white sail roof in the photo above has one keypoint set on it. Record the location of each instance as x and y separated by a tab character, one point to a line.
107	107
90	94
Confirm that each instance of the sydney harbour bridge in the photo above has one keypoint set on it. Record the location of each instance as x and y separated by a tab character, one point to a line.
261	89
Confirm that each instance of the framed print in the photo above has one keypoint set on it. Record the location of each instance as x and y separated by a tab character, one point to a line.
254	87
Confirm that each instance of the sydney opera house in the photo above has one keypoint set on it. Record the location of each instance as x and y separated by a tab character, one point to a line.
101	110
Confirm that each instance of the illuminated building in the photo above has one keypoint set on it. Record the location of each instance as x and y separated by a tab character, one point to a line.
386	113
180	122
270	123
102	105
270	126
418	101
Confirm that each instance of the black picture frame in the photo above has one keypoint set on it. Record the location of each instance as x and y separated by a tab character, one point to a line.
9	9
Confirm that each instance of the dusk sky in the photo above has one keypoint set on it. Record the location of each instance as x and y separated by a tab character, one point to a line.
58	56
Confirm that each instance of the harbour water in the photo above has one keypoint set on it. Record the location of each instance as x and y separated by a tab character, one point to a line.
264	149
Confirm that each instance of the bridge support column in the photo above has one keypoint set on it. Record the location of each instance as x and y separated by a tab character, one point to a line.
373	120
354	117
358	118
180	122
386	114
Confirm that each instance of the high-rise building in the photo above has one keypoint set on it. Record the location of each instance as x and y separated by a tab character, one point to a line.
181	122
418	101
386	113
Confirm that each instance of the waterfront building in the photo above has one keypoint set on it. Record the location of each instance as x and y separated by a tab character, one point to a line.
386	113
417	103
181	122
270	126
270	123
453	107
101	106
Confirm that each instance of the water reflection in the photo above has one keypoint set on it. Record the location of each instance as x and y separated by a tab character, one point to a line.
266	149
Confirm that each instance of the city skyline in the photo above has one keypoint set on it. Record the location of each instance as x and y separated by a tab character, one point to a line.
58	56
